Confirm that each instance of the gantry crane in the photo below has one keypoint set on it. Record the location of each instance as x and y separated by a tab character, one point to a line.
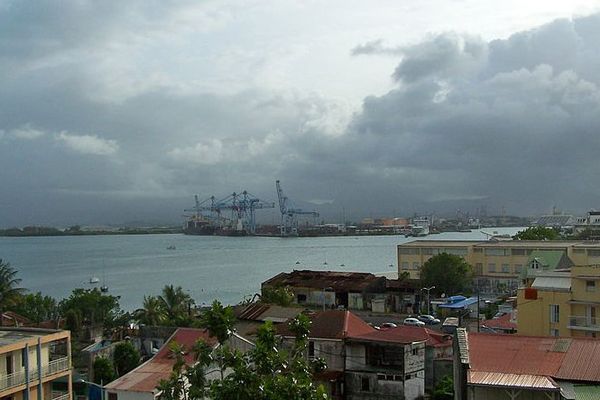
289	214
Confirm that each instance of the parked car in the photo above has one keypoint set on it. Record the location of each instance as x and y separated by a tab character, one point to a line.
428	319
450	324
389	325
413	322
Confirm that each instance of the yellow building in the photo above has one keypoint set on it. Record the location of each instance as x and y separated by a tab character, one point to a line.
30	360
496	264
561	303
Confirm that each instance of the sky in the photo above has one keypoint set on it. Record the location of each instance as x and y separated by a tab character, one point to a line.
119	112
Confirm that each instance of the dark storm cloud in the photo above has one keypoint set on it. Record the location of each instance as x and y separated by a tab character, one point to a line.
504	123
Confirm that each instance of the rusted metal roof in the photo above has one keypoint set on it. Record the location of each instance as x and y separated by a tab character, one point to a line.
583	353
406	334
504	323
253	311
337	281
146	377
516	381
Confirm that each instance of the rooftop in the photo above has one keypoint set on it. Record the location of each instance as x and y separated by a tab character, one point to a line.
504	243
337	281
332	324
504	323
146	377
10	336
406	334
558	358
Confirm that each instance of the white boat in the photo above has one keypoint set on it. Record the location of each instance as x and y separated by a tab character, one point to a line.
94	279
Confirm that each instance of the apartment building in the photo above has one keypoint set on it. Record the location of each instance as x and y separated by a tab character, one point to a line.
498	265
31	360
564	303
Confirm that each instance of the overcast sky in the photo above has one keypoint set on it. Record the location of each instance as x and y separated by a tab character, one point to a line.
112	112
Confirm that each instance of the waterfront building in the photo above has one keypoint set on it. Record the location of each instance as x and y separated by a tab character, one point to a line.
489	366
33	362
561	303
497	264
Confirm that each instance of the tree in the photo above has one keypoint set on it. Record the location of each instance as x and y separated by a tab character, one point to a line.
218	320
281	296
537	233
449	273
10	291
177	305
264	373
125	357
444	390
152	313
37	307
104	371
93	306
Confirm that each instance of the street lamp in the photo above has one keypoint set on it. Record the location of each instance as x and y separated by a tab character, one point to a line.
428	289
99	386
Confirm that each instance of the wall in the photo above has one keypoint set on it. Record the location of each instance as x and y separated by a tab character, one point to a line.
478	393
534	315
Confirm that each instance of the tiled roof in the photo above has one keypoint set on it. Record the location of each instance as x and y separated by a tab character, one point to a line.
332	324
146	377
406	334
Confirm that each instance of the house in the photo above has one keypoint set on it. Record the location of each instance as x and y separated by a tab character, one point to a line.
350	290
497	264
541	261
506	323
491	366
561	303
32	361
327	339
405	359
250	317
140	384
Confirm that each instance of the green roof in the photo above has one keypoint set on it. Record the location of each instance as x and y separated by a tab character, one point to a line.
549	260
585	392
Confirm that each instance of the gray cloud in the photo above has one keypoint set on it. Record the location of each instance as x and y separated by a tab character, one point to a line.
87	138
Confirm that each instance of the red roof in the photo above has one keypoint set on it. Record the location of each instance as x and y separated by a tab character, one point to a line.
146	377
502	323
407	334
332	324
559	358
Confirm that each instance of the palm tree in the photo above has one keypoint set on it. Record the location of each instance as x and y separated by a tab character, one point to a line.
176	302
153	312
9	290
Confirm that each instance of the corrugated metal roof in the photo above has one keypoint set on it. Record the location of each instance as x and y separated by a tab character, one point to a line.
579	359
460	304
535	382
406	334
552	282
332	324
337	281
586	392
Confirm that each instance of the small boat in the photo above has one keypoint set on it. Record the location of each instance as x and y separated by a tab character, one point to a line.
171	247
297	262
94	279
342	265
104	288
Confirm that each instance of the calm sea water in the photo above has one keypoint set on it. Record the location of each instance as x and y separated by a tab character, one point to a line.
224	268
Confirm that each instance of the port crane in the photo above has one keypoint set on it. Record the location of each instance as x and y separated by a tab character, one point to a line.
289	214
242	208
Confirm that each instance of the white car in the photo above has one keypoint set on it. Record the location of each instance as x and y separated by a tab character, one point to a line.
428	319
389	325
413	322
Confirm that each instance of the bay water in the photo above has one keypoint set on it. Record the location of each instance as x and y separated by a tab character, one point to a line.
207	267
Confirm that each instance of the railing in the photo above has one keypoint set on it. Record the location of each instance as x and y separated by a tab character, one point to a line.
55	366
591	323
62	397
18	378
12	380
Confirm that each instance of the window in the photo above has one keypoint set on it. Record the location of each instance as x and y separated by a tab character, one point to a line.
457	251
505	269
479	268
364	384
311	349
554	317
590	286
112	396
518	252
593	253
415	265
496	252
409	251
415	351
518	268
429	251
491	267
404	264
535	264
301	298
477	250
554	332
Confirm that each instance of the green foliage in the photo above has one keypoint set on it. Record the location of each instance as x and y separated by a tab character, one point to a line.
444	390
281	296
449	273
538	233
152	312
125	357
10	292
73	321
264	373
37	307
93	306
173	307
218	320
103	370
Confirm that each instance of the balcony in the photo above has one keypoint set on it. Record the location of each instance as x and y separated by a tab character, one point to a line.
584	323
18	378
62	397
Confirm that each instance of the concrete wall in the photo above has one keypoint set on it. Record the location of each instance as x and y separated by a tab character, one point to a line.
478	393
534	315
332	351
355	301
